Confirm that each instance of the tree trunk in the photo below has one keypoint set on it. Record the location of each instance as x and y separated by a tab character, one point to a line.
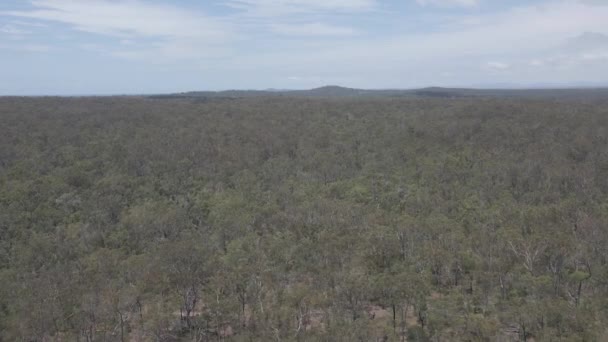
394	317
122	327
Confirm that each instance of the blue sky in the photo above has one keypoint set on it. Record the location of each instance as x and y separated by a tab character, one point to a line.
152	46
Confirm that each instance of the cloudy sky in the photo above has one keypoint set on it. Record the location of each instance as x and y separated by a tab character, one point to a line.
156	46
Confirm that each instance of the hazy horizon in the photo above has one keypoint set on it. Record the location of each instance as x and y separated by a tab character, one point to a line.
270	90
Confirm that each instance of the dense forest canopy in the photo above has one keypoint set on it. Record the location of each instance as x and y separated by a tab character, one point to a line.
303	219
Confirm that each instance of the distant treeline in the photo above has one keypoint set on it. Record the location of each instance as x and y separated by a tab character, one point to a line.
581	94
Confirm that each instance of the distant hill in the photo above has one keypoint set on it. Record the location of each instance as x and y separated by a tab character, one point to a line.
327	91
332	91
430	92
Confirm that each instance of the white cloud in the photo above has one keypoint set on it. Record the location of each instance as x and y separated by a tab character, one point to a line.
312	29
25	47
250	42
595	2
587	41
496	66
523	30
126	18
537	63
171	33
282	7
508	40
22	23
449	3
595	56
580	50
12	30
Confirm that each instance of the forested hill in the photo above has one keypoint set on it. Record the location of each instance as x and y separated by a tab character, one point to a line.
439	92
303	219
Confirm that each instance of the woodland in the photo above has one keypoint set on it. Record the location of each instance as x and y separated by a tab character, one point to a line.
285	218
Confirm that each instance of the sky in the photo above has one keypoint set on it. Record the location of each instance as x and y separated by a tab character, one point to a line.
82	47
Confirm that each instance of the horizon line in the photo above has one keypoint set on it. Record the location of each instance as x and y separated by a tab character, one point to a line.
287	90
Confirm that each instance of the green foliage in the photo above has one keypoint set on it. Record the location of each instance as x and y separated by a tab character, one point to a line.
293	219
